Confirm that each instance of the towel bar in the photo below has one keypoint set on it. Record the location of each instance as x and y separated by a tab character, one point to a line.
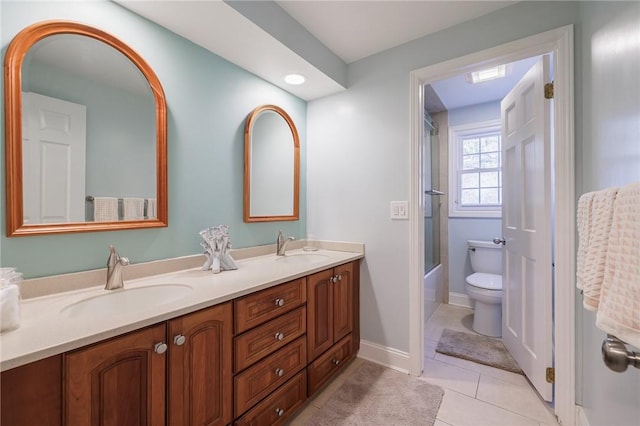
89	208
616	356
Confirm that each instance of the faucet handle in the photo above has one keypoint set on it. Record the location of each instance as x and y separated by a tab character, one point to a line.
124	261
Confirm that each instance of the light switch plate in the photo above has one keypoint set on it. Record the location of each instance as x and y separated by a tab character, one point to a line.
399	210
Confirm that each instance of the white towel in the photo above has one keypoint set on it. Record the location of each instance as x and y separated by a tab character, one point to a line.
619	308
594	225
133	208
583	222
105	209
151	208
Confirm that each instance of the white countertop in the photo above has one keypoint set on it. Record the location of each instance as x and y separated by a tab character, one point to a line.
44	331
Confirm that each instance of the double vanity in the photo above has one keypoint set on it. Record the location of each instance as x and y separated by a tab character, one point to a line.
188	347
176	345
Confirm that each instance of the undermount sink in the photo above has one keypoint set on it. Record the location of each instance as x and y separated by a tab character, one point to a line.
126	300
302	258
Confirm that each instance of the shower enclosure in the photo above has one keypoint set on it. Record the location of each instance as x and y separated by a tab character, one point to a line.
432	205
431	195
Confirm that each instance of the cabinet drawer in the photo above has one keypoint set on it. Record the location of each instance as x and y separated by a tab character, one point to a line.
280	405
258	381
266	339
257	308
329	363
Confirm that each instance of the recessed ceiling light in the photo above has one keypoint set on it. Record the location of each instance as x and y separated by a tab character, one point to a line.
295	79
486	74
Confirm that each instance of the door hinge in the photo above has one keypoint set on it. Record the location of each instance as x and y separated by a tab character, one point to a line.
551	375
548	90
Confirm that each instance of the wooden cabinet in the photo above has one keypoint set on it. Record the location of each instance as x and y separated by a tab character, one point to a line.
32	394
330	311
270	353
122	381
200	376
117	382
254	359
333	325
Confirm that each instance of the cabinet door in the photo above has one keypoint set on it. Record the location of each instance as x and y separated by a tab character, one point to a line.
319	313
200	376
342	301
118	382
32	394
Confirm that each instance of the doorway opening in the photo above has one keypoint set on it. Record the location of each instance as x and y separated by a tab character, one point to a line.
558	42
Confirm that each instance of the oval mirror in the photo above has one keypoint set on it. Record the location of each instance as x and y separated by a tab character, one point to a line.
271	166
86	138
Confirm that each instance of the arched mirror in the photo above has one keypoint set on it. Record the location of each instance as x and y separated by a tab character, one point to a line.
271	166
85	133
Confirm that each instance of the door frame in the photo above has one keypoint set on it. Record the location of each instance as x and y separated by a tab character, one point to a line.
560	42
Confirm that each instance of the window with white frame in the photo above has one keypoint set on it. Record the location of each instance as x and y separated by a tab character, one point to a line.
475	174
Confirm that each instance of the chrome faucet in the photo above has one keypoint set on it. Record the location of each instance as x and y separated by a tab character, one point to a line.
115	263
281	244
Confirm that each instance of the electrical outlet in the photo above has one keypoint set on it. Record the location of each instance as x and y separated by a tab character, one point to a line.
399	210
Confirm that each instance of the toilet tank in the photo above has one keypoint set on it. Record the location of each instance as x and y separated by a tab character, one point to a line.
486	256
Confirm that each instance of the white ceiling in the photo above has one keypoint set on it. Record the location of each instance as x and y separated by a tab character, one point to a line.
217	27
357	29
351	29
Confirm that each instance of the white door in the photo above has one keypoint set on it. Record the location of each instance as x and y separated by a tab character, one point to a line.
526	226
53	159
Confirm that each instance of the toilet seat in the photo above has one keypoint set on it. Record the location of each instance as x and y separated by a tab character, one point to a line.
485	281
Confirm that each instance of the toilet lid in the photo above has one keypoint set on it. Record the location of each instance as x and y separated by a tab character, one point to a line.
486	281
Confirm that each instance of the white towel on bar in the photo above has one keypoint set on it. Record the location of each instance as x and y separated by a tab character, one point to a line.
594	225
583	222
105	209
133	208
152	208
619	308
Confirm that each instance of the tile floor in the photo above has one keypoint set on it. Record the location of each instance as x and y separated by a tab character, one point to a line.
474	394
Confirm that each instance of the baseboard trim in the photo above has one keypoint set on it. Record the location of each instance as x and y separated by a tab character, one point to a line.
460	299
581	417
384	355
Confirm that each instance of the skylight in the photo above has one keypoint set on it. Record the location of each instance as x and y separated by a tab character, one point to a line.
486	74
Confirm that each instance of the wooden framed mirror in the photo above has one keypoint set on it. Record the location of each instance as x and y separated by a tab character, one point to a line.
52	184
271	166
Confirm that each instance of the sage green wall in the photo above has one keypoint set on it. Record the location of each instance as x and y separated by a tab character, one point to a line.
208	100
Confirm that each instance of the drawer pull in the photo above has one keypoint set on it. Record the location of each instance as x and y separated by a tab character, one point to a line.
339	277
160	348
279	302
336	361
279	336
279	372
179	339
279	412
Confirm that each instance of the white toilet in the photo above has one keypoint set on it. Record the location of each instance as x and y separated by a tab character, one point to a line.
484	286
